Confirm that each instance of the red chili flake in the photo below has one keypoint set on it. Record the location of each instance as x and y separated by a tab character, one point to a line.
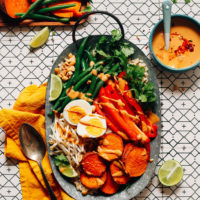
137	37
186	45
146	47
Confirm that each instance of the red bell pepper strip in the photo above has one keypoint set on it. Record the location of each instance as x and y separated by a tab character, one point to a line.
148	149
110	124
135	134
151	129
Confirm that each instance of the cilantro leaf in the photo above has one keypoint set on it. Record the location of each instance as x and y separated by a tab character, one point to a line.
61	160
143	92
127	49
116	35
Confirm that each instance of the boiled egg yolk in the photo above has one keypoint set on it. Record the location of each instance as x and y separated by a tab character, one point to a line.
94	127
75	113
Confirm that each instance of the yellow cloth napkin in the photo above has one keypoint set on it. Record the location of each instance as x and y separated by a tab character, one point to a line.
29	108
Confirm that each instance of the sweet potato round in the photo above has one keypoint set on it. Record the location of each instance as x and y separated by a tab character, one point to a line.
118	173
136	162
93	164
111	147
93	182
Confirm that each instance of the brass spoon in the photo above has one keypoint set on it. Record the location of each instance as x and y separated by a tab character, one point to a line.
33	147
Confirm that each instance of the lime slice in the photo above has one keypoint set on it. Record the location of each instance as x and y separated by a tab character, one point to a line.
68	171
170	173
40	38
55	87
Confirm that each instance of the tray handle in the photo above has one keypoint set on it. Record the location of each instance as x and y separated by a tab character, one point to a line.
96	12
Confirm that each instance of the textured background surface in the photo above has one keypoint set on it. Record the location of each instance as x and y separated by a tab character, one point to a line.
19	67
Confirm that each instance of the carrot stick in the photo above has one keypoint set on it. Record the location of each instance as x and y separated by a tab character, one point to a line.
111	111
110	187
109	122
93	164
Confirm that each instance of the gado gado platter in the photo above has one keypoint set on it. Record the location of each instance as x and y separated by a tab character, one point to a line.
103	129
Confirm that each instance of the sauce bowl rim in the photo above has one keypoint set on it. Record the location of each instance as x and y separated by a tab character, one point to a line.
155	57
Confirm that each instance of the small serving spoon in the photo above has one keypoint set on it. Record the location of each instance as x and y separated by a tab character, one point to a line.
166	7
33	147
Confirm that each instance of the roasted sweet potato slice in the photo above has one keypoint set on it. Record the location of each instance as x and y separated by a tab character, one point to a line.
111	147
118	173
110	186
93	182
93	164
127	149
136	162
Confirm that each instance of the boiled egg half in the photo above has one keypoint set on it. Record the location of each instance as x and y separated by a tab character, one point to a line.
75	110
91	126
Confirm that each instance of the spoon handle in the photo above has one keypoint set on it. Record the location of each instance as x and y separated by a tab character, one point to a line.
166	6
51	194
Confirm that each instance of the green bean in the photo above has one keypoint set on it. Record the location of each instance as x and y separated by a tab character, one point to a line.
31	8
44	17
76	87
47	2
58	7
97	88
79	57
90	56
83	64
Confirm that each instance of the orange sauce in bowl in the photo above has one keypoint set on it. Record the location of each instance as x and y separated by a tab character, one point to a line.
184	48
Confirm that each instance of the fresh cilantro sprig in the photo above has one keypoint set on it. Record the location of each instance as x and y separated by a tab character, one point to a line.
61	160
114	49
143	91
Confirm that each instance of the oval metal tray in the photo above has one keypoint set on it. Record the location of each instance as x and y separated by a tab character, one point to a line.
136	185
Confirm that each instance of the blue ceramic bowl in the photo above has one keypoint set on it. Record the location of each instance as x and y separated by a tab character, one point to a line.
157	60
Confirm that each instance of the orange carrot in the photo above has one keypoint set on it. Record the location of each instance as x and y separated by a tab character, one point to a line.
118	174
136	162
111	146
93	182
93	164
67	12
110	187
11	7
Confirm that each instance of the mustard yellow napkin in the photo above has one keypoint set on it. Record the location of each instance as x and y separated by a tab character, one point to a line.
29	108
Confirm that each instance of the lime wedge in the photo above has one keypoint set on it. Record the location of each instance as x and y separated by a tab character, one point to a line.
40	38
68	171
170	173
55	87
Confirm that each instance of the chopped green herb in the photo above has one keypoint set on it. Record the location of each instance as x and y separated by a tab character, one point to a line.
143	92
61	160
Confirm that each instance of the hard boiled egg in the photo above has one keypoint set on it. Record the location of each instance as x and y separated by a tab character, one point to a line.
75	110
92	126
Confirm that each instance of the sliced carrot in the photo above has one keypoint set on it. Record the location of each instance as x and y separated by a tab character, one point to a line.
111	124
93	164
110	186
136	162
67	12
118	173
111	146
93	182
153	118
16	6
127	149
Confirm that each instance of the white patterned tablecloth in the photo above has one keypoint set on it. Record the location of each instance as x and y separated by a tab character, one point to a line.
20	67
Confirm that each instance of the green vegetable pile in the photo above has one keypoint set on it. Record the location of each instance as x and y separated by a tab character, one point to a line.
109	56
41	10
